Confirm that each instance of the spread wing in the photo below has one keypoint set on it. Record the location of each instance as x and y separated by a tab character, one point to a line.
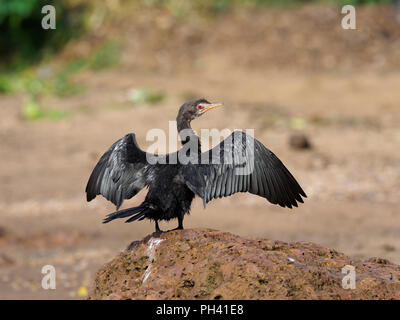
241	163
120	173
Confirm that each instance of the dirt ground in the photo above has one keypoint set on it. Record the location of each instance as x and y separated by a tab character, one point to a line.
351	174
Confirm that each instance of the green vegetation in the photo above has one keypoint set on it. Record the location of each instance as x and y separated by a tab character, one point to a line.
145	96
106	57
47	79
37	81
23	41
26	49
32	110
42	80
183	8
297	123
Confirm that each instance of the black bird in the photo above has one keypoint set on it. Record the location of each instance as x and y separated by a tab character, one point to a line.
239	163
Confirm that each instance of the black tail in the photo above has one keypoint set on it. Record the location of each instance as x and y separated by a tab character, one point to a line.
139	213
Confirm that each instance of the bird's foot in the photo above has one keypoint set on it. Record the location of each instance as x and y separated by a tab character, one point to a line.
177	228
158	230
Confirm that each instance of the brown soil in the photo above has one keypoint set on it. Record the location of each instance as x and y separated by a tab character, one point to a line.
351	116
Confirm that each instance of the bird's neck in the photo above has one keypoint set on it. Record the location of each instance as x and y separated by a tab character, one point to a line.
187	134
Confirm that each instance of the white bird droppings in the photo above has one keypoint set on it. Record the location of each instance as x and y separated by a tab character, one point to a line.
150	252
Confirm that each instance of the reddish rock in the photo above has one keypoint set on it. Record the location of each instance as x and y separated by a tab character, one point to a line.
209	264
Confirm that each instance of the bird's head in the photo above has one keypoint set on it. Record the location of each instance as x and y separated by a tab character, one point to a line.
194	109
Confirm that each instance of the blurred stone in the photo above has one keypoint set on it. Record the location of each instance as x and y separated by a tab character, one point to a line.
5	261
299	141
3	232
210	264
388	248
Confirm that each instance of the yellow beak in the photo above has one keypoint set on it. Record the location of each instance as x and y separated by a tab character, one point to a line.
211	106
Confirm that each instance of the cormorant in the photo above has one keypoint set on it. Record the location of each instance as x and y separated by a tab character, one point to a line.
239	163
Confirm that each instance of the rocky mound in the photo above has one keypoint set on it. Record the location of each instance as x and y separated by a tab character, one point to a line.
209	264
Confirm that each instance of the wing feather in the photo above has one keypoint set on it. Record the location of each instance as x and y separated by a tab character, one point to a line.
245	165
120	173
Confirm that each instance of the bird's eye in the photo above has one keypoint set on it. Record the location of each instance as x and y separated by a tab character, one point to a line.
199	107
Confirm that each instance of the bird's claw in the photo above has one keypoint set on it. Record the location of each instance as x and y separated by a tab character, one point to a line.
177	228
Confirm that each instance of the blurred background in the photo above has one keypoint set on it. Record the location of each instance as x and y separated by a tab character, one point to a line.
324	99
